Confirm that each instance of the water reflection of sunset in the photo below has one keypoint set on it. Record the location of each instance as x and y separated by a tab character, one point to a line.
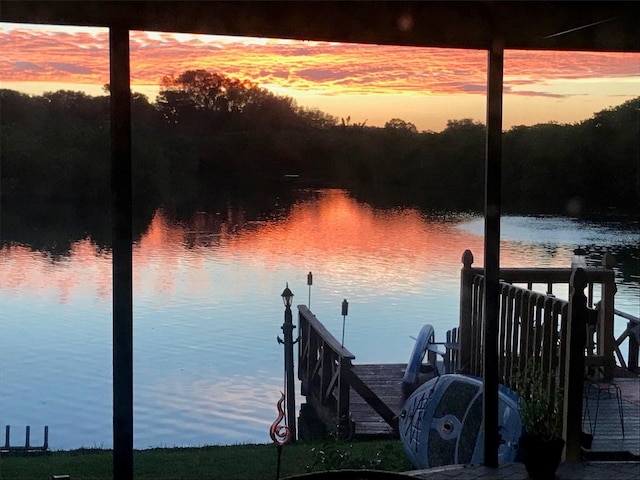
339	233
333	228
334	233
85	270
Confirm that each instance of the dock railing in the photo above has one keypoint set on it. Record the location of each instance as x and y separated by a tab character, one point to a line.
522	309
326	376
539	330
632	335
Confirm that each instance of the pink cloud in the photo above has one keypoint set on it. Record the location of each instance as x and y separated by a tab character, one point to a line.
82	57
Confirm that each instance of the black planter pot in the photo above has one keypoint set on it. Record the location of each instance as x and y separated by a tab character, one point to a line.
540	456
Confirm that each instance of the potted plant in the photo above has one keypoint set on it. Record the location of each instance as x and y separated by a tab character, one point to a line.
541	444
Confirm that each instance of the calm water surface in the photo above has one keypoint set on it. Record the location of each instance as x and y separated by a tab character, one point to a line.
207	310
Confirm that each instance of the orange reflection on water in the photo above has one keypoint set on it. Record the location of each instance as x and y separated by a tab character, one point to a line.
158	255
83	269
336	230
334	234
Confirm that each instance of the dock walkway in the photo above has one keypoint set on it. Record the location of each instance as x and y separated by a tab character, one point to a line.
385	381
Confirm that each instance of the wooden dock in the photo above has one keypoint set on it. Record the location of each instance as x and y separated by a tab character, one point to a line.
328	369
534	331
27	448
385	380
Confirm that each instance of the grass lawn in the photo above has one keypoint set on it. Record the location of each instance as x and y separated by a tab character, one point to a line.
242	462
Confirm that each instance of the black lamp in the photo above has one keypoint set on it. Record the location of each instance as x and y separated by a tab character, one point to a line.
287	296
287	329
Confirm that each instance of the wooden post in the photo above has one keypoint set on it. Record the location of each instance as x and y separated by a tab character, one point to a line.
312	350
7	435
606	339
477	292
466	306
325	371
492	207
548	338
45	447
27	435
304	352
302	345
122	215
632	359
574	370
344	367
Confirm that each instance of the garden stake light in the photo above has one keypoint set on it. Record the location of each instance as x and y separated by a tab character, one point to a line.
345	312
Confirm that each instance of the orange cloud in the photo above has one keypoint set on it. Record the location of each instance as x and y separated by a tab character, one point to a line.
371	83
332	68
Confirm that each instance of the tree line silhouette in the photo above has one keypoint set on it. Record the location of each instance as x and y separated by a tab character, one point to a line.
208	136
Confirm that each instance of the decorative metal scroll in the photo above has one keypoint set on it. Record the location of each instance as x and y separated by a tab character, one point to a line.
280	434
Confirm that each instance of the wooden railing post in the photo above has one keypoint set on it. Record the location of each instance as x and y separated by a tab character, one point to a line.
466	307
325	372
302	343
574	368
344	420
606	339
632	359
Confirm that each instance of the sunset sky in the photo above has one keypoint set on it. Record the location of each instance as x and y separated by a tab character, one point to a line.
368	83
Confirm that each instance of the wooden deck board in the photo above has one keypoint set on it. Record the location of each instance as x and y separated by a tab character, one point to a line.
608	430
386	379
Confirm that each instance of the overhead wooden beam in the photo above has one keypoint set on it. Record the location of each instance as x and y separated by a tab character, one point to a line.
121	188
492	208
587	26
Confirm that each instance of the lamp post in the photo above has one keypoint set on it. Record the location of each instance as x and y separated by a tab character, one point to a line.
287	329
309	282
579	259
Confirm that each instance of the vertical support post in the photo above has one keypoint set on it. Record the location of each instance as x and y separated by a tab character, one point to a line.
343	423
27	437
574	369
7	435
122	216
311	356
287	329
466	313
606	340
303	339
632	359
492	207
326	372
45	447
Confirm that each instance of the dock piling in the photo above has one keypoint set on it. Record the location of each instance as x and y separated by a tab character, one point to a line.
27	448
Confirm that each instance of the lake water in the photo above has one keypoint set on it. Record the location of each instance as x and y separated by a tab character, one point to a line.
207	310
